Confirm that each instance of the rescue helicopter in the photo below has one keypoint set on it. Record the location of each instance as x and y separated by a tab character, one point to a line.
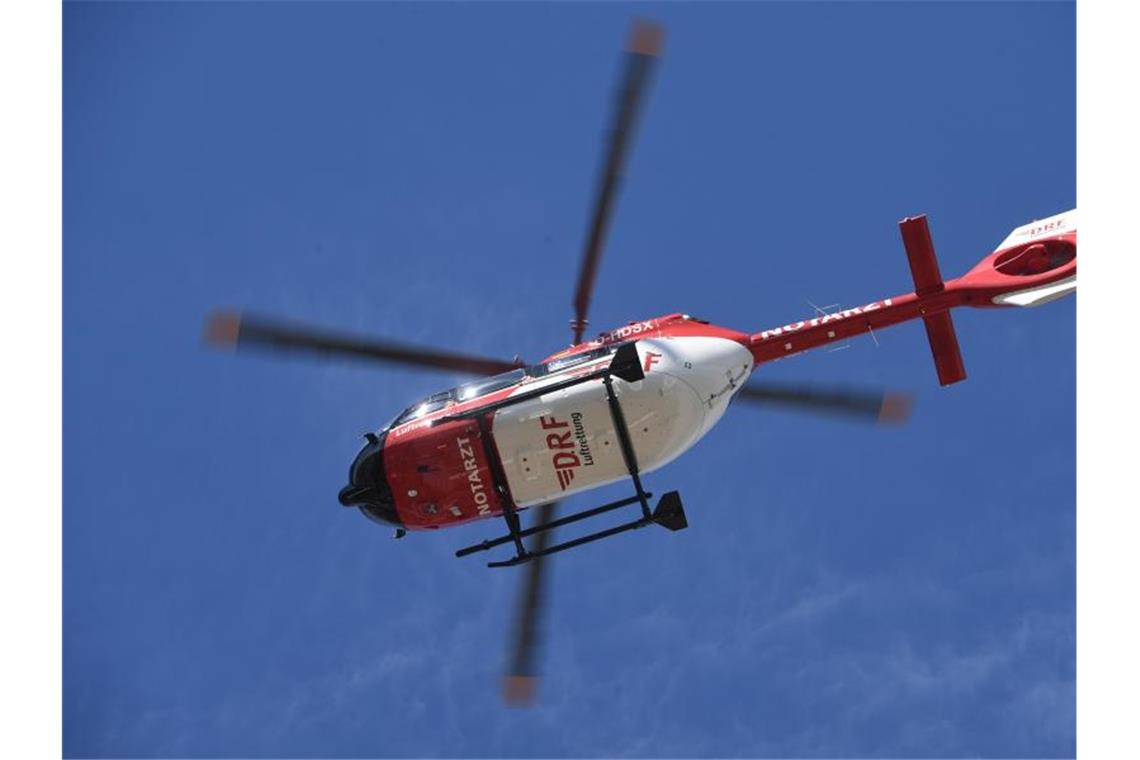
632	399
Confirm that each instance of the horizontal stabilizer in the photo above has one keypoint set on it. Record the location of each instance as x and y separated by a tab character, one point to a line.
928	280
944	346
920	254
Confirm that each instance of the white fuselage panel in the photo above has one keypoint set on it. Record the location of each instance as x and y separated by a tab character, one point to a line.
566	441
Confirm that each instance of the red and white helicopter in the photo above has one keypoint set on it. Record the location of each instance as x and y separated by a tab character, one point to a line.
634	398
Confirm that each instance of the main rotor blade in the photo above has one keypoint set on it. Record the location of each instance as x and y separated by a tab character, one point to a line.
644	46
235	330
522	673
887	407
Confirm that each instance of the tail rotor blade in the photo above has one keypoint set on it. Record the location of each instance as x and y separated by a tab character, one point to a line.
229	329
521	678
884	407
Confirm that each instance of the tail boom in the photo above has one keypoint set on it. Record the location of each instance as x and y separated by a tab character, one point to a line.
1034	265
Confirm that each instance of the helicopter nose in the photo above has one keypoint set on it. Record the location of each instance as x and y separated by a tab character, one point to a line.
367	488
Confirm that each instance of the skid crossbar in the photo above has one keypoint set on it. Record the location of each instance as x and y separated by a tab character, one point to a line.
668	514
529	556
491	543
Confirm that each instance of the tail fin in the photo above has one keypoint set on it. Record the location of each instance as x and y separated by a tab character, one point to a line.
927	281
1042	254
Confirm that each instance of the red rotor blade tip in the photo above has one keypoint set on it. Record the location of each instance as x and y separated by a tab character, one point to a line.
646	38
519	690
895	409
223	329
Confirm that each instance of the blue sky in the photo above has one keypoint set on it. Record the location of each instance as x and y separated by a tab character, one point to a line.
425	172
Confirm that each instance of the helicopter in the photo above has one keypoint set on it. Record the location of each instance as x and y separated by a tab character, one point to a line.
632	399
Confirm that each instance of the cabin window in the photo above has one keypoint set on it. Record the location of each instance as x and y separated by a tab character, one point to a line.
479	388
432	403
465	392
558	365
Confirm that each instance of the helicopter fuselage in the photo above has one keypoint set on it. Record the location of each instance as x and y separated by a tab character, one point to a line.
439	471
